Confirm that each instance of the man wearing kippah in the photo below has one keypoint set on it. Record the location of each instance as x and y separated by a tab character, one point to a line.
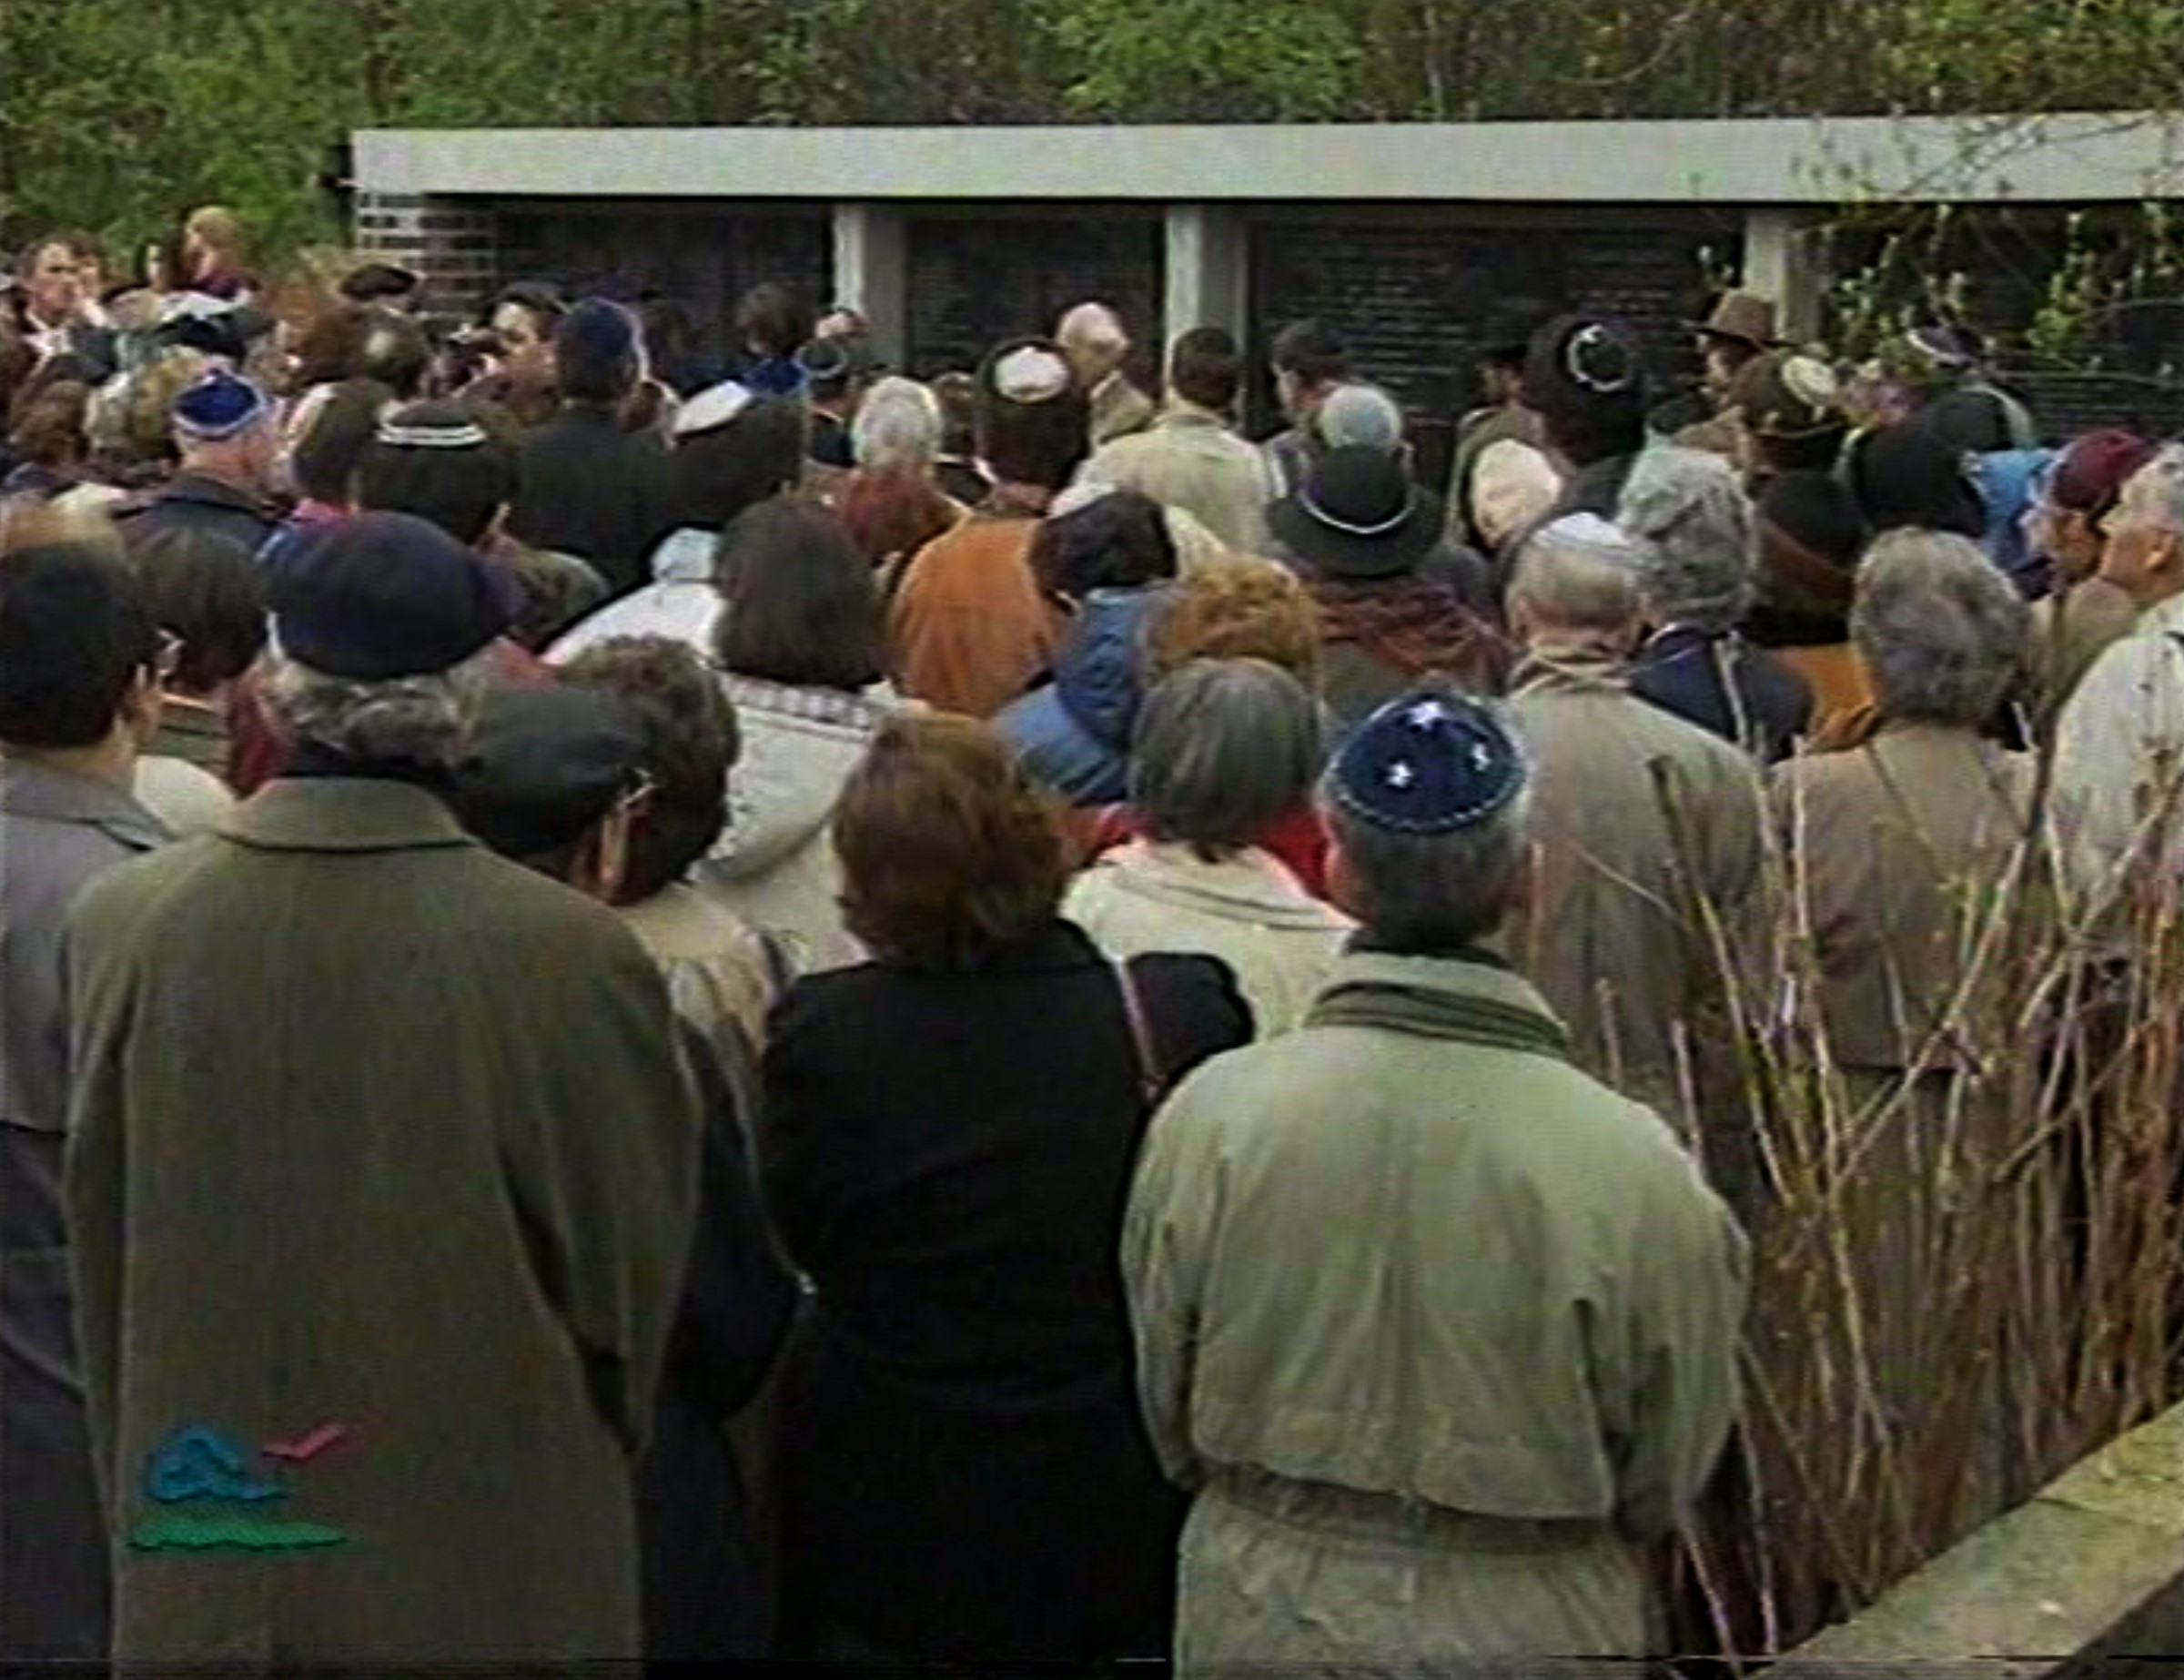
381	1181
1441	1331
225	431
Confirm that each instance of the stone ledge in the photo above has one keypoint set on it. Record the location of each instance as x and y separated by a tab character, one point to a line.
2088	1570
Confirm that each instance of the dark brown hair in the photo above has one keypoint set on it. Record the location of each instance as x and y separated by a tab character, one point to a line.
458	490
206	589
949	850
48	423
1206	368
326	457
714	475
691	745
799	605
1039	443
775	320
1119	541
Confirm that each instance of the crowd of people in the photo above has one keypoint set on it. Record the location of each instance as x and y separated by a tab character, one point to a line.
685	1011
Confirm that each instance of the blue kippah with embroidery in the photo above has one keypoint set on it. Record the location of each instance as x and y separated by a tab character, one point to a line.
217	406
1430	762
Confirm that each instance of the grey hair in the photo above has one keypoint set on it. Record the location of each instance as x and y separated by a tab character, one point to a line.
1419	892
1941	630
1223	749
2159	486
1573	579
1698	536
422	719
898	424
1361	415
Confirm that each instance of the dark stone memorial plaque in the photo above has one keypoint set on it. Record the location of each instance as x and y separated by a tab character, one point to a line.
1413	298
974	281
704	260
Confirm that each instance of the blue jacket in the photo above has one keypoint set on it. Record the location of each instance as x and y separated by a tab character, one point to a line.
2008	480
1074	733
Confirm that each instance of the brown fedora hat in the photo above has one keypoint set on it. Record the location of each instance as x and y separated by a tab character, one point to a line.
1742	317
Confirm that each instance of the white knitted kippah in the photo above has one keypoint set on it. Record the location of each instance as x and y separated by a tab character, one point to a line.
1031	375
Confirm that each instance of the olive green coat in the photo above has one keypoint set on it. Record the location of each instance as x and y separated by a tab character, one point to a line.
382	1146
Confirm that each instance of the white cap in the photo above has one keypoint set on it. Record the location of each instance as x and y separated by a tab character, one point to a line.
714	406
1031	375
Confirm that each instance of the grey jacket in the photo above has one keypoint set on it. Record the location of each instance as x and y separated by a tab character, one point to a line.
56	831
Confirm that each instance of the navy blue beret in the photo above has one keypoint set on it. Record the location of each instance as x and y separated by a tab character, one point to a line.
385	595
219	406
1430	762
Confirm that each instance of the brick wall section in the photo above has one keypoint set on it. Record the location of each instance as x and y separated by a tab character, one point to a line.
452	242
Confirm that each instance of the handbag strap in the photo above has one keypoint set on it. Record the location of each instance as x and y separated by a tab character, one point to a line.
1149	1079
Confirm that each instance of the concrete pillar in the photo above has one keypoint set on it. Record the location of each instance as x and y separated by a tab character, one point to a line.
1783	260
452	243
1209	270
872	275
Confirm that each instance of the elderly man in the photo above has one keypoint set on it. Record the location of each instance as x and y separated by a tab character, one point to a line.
1650	846
1092	336
1192	457
79	697
1700	547
381	1186
225	431
2119	742
1441	1331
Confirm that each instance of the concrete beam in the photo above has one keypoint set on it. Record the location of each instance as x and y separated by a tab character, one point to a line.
872	275
1208	266
2064	158
2090	1568
1783	260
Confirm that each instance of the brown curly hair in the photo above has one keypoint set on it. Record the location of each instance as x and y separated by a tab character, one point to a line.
1247	610
691	743
949	851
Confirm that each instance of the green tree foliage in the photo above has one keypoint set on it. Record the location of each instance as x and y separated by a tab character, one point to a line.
119	113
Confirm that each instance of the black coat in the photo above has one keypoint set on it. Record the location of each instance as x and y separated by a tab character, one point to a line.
587	488
189	501
1725	684
702	1581
964	1472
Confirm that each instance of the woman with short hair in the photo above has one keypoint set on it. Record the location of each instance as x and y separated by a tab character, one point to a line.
891	502
799	646
1225	750
948	1140
1899	848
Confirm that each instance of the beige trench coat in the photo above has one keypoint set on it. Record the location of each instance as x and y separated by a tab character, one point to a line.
1900	848
1650	892
1440	1332
1192	459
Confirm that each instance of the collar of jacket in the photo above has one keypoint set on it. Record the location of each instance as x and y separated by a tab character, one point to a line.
1252	885
32	789
1570	670
214	492
1181	413
339	814
1455	998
